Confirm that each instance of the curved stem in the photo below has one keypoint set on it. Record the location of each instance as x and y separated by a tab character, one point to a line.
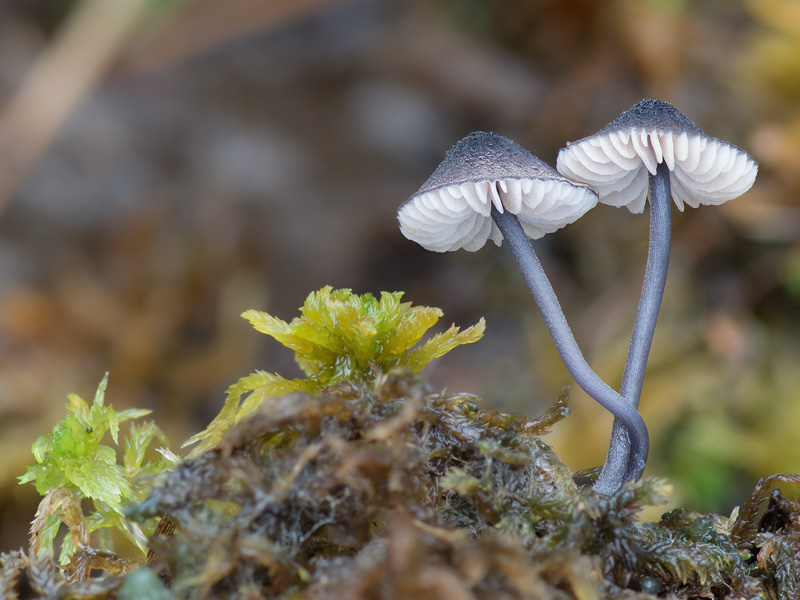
618	467
556	322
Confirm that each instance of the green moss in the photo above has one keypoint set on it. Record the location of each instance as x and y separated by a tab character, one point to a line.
73	463
340	336
361	482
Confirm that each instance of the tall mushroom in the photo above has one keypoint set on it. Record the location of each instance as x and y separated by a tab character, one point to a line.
489	186
653	146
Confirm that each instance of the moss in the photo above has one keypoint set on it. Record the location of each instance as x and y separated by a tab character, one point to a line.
73	464
340	336
390	490
372	485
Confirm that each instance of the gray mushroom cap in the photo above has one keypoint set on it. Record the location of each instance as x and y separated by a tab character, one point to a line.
617	159
452	209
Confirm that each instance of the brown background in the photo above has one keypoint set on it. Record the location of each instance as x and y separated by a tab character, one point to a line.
163	170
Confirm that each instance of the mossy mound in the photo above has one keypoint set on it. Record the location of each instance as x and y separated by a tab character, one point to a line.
387	490
351	491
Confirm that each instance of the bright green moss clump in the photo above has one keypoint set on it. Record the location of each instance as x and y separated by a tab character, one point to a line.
73	463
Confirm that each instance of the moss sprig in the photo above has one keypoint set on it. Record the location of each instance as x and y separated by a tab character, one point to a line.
73	463
340	336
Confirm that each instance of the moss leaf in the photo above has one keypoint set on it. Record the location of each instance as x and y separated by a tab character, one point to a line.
441	344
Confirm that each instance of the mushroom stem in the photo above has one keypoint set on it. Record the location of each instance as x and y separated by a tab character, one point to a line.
556	323
618	468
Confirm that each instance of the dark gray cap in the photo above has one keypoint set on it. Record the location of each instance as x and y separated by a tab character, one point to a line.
617	159
452	209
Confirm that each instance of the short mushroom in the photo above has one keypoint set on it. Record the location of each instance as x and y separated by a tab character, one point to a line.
653	146
489	186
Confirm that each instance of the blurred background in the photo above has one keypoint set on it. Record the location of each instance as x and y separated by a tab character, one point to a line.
168	164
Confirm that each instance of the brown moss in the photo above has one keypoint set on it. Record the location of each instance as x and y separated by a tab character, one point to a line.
320	483
391	491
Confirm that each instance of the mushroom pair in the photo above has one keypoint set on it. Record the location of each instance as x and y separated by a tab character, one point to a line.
489	186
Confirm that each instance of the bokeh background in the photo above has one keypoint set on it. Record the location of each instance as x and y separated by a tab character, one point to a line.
166	165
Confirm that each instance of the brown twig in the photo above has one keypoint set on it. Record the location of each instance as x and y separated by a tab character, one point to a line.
64	74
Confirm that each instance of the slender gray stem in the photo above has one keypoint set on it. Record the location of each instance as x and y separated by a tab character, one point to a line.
618	467
556	322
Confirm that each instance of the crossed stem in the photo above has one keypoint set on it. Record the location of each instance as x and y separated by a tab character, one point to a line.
618	467
624	411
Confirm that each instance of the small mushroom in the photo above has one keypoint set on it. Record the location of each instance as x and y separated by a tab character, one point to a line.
653	146
489	186
452	209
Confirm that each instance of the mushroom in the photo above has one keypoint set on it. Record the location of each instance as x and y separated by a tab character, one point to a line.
653	146
489	186
452	209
